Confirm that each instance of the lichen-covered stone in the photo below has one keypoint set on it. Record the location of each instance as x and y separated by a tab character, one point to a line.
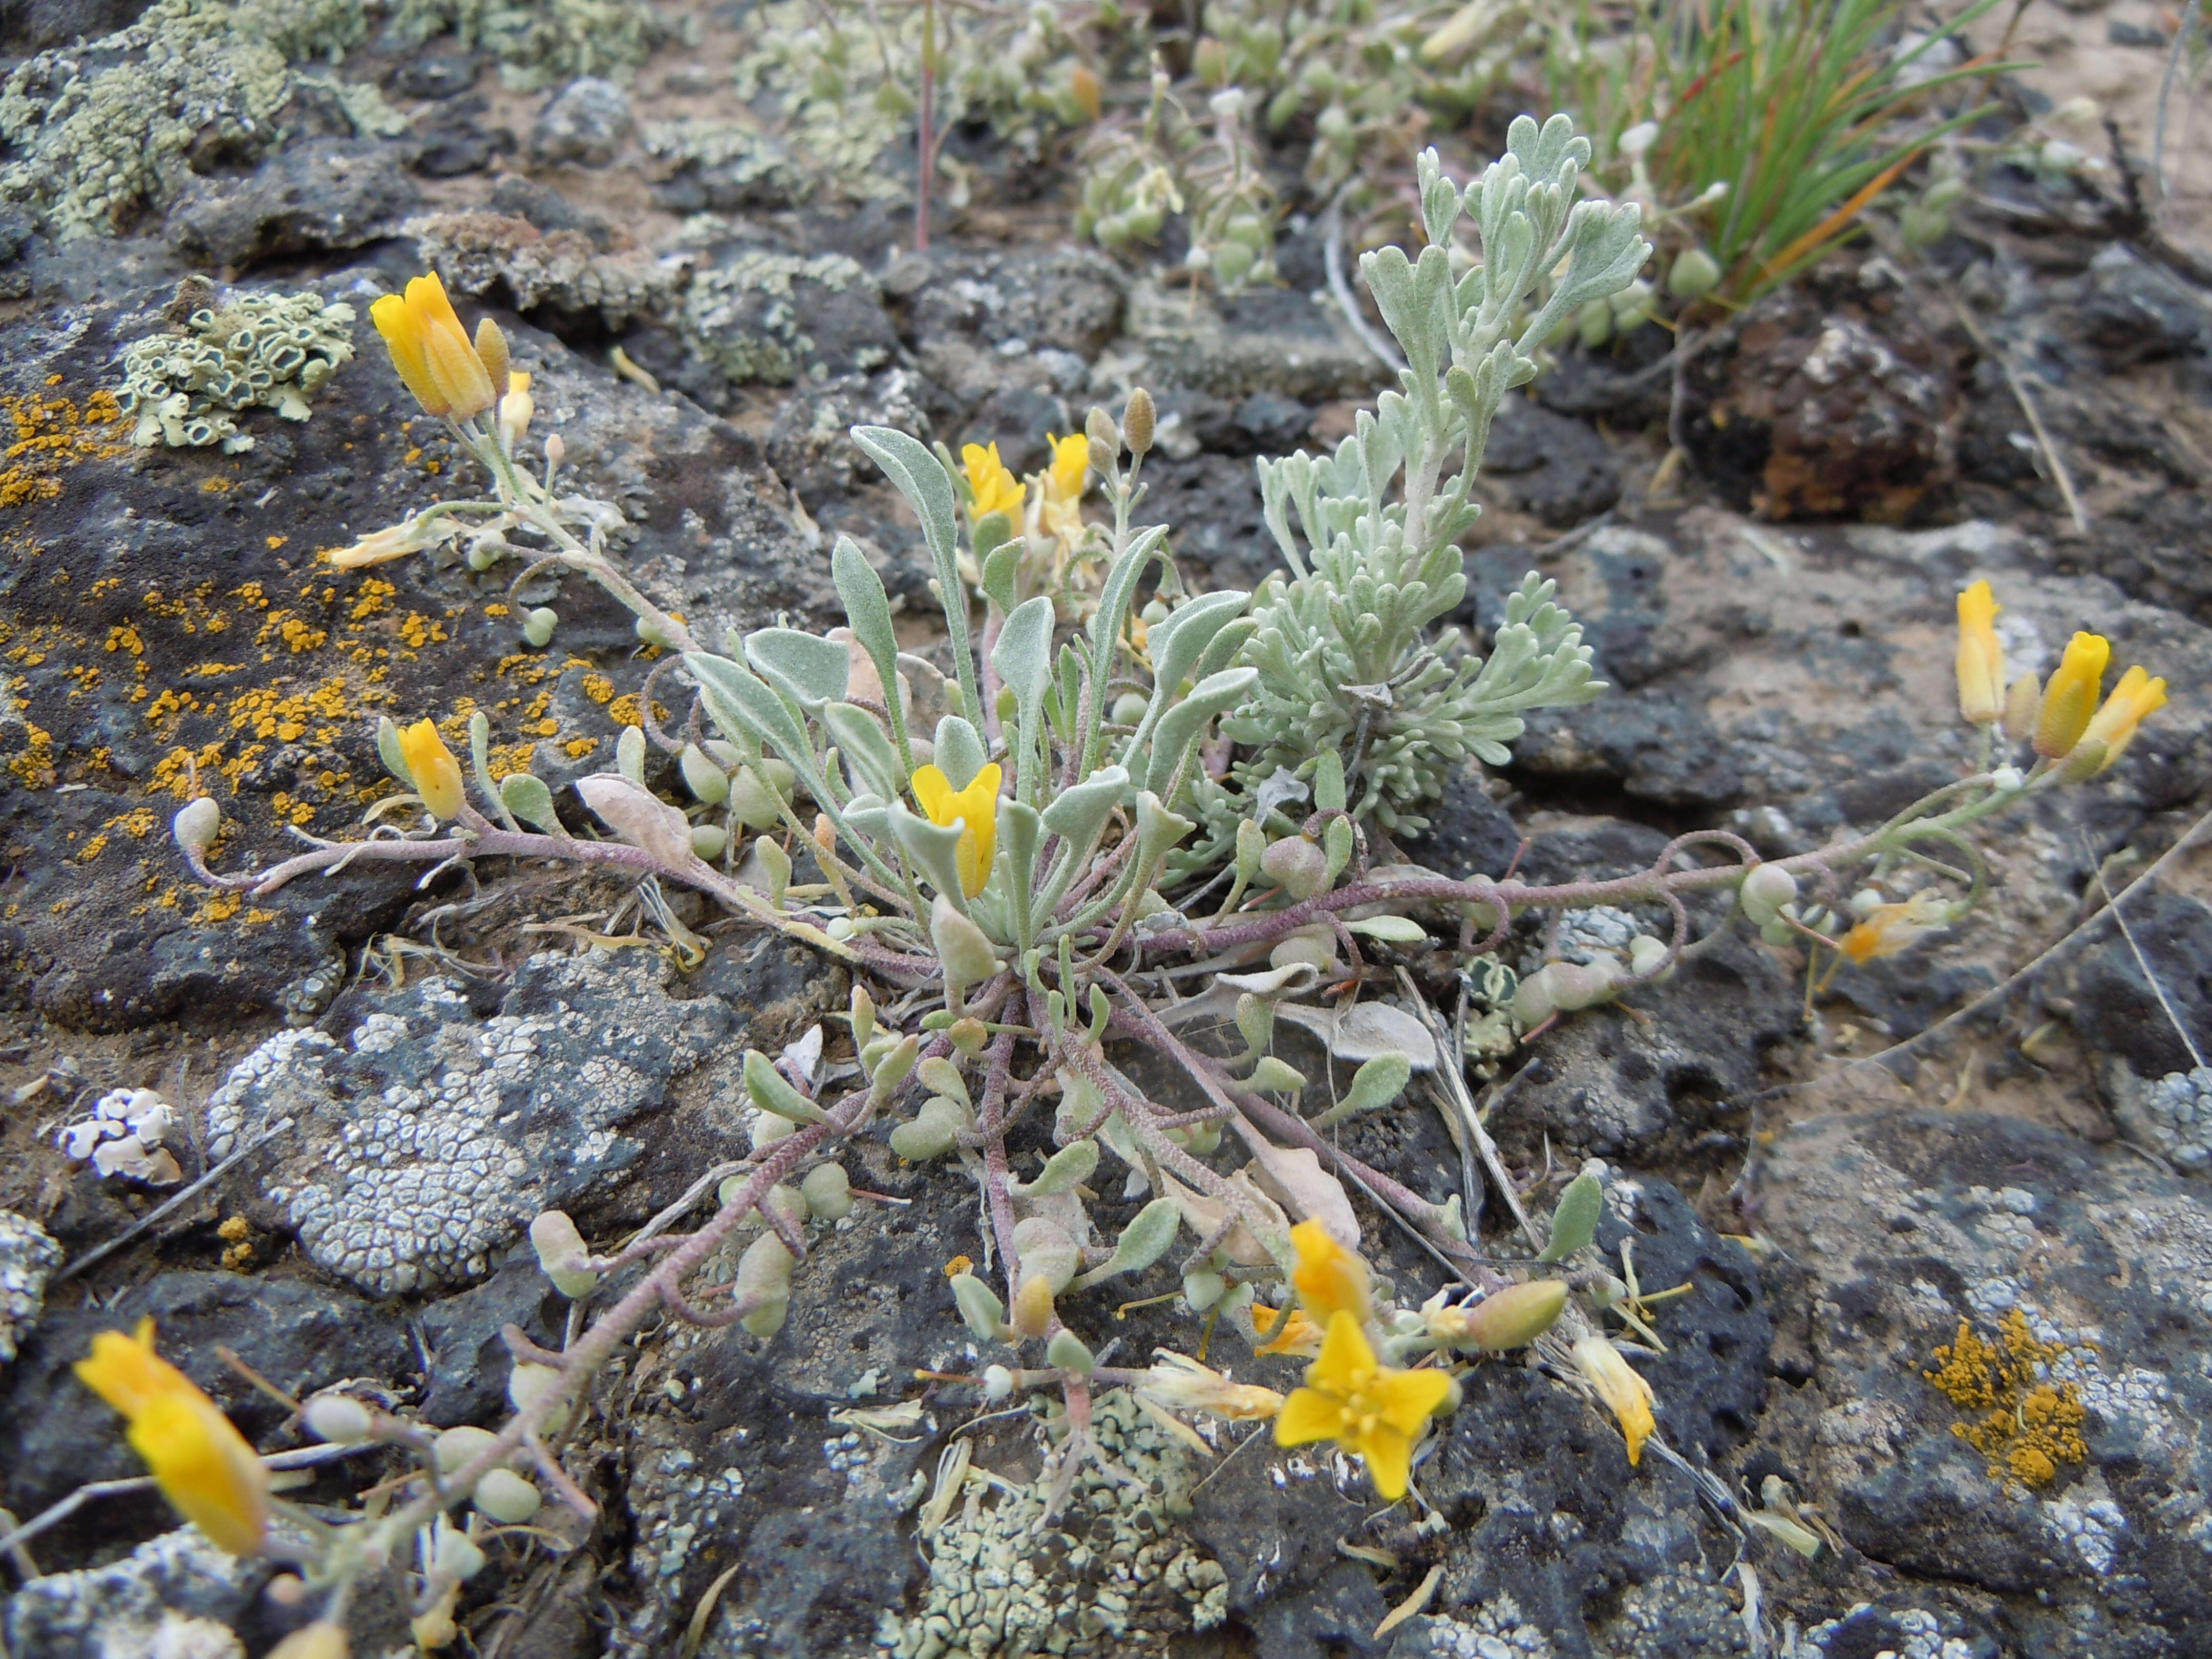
28	1254
541	42
428	1139
766	316
174	1595
252	351
509	258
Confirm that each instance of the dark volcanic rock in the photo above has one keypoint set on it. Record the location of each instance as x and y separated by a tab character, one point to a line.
325	196
1555	468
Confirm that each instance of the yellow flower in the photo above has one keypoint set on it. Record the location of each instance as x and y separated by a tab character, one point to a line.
1890	930
1330	1278
995	489
1628	1394
431	351
1299	1335
2137	696
1981	659
202	1463
1372	1411
1181	1383
976	810
1071	466
2071	695
436	773
380	547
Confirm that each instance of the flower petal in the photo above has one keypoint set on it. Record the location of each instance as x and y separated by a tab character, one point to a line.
1308	1414
1409	1399
932	793
205	1468
1389	1458
1347	1363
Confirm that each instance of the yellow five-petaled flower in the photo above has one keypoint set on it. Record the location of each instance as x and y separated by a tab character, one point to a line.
431	351
975	809
1371	1409
436	773
994	489
202	1463
1981	659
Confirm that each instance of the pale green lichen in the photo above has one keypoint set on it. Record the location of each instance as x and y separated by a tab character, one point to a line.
104	132
541	42
259	351
741	317
1113	1573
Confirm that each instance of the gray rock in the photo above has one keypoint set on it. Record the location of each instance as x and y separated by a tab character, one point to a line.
2136	312
320	196
469	1362
585	123
427	1140
1267	340
1550	466
176	1595
1909	1223
28	1254
759	314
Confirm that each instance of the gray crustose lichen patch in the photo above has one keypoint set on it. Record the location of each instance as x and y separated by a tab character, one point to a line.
1111	1574
256	351
746	317
2176	1117
428	1139
28	1254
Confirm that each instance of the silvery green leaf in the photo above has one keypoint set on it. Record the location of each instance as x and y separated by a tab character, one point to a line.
1158	829
1223	648
1020	831
1365	1030
806	667
927	487
772	1092
935	852
869	817
1179	727
1574	1222
1149	1235
528	797
1174	646
868	613
867	751
1119	587
1001	563
629	755
1077	815
960	751
1391	930
1069	1167
738	701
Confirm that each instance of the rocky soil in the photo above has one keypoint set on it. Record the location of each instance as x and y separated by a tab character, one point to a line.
395	1078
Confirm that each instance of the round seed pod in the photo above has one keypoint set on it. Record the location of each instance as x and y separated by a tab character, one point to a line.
538	627
339	1418
505	1497
829	1192
455	1447
709	841
197	824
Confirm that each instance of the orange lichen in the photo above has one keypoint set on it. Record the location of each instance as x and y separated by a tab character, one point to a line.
2026	1426
52	434
34	761
577	748
599	688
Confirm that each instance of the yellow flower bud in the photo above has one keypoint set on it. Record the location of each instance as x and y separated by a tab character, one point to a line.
2021	704
2071	696
436	773
431	351
491	350
2135	697
1981	659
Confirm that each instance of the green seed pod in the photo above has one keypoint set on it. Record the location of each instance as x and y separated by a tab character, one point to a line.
1765	890
1067	1350
932	1132
339	1418
563	1254
1202	1288
709	841
1045	1248
197	824
457	1554
484	555
1251	847
764	1273
1256	1022
1276	1077
455	1447
1585	984
786	1204
1646	955
964	949
1139	419
1232	263
706	782
1694	274
1296	866
1129	709
752	802
505	1497
1574	1222
891	1069
829	1192
538	627
864	1017
980	1307
1510	1318
529	1383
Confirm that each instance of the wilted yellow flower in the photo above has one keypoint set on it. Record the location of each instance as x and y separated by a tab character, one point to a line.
975	808
995	489
1299	1335
378	547
1628	1394
1981	659
2070	697
431	351
516	408
202	1463
2135	698
1371	1410
1890	930
436	773
1329	1279
1181	1383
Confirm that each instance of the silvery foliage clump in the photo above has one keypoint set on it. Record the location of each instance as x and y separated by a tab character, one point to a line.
1345	659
